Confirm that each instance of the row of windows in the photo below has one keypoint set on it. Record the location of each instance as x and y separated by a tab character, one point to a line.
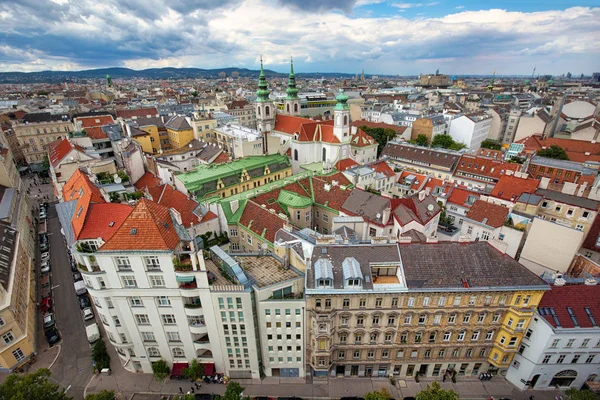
570	343
167	319
561	358
414	353
288	324
442	301
376	320
277	311
418	337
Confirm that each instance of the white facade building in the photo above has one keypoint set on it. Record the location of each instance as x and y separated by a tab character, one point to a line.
471	129
561	346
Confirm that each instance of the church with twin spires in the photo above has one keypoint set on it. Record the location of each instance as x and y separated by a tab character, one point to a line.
307	141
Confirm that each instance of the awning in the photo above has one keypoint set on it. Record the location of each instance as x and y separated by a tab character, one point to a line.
185	279
209	368
178	368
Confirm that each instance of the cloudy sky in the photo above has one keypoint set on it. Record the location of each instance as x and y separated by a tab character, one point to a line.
381	36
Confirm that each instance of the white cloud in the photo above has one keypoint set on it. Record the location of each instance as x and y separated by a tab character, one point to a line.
459	7
407	5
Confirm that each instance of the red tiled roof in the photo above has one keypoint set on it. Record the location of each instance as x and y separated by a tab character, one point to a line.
61	148
361	139
575	149
361	122
261	221
221	158
345	164
148	227
592	236
317	132
96	120
459	196
148	180
138	112
167	196
80	188
577	298
476	166
489	214
208	216
103	220
383	168
510	187
95	132
289	124
419	178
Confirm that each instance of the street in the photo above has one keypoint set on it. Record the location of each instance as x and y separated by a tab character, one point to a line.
73	367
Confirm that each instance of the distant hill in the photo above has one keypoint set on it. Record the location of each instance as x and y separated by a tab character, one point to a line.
151	73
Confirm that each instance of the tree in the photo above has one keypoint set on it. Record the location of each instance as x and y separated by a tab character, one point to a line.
100	356
422	140
576	394
45	164
160	369
553	151
444	141
381	136
382	394
103	395
234	391
194	371
435	392
491	144
31	386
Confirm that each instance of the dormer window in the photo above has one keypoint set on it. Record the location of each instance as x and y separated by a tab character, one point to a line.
324	283
353	282
323	273
353	276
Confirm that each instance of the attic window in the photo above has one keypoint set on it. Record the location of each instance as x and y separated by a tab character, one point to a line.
166	225
111	223
133	231
590	316
79	211
572	315
81	192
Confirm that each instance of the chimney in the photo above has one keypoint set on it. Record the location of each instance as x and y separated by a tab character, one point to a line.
327	187
422	195
386	215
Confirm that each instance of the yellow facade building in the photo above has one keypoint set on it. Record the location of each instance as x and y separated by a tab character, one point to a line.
179	132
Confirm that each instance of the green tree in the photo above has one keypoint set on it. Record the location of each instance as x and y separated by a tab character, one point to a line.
491	144
45	164
381	136
103	395
576	394
422	140
100	356
160	369
233	392
194	371
435	392
553	151
444	141
382	394
33	386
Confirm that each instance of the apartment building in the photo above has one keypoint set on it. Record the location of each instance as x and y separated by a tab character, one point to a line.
435	163
179	131
235	177
243	111
561	171
471	129
480	172
512	125
241	141
561	345
430	126
402	310
36	130
186	158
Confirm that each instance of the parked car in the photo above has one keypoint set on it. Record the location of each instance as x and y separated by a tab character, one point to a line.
77	277
52	336
73	266
44	238
84	301
45	267
49	321
44	247
45	256
46	304
87	313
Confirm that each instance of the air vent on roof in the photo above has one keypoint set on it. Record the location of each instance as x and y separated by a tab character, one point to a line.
324	250
111	223
166	225
133	231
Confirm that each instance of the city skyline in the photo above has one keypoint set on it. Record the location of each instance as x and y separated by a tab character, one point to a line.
383	37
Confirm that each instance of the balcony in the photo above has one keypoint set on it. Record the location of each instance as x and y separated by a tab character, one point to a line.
187	282
202	342
192	302
288	296
182	263
204	354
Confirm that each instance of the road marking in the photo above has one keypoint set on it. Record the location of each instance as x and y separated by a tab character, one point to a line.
67	389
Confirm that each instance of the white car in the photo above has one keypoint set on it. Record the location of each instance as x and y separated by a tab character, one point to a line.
43	215
45	267
45	256
87	313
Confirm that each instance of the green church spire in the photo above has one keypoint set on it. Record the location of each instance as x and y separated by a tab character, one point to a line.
292	92
263	90
342	100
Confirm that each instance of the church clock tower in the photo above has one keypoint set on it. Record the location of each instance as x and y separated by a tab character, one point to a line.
264	106
341	118
292	102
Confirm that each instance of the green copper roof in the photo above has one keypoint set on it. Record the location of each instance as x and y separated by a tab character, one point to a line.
292	92
231	216
263	90
204	177
342	99
294	200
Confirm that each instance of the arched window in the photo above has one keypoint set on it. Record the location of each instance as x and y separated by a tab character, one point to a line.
324	155
258	110
153	352
296	107
287	108
295	154
345	120
267	111
178	352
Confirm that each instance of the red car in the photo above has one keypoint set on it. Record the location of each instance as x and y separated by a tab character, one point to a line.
46	304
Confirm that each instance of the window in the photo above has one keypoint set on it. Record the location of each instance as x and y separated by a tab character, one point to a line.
356	354
561	358
8	337
391	320
461	336
373	337
576	358
136	302
360	320
457	300
411	301
422	319
510	322
378	302
376	320
585	343
555	343
362	303
173	337
425	301
141	319
153	352
520	324
475	335
472	300
357	338
343	338
148	336
157	281
451	318
481	318
512	342
341	354
546	359
395	302
168	319
466	318
441	301
407	319
389	336
178	352
447	336
129	281
570	343
233	232
123	263
437	319
496	318
116	320
152	263
346	303
18	354
590	359
489	335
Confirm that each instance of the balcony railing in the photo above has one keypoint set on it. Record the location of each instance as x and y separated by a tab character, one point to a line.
193	303
188	285
182	263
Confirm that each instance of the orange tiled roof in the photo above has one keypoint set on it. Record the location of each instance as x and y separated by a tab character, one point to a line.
138	112
576	149
420	179
167	196
80	188
289	124
208	216
221	158
148	227
345	164
96	120
510	187
361	139
476	166
489	214
459	196
261	221
148	180
61	148
103	220
383	168
95	132
335	197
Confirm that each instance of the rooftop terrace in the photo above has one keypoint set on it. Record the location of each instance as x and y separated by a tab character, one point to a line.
265	270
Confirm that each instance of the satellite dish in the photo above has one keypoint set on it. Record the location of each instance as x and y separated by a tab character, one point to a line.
430	207
264	246
117	178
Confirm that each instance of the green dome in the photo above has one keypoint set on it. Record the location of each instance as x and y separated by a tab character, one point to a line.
341	101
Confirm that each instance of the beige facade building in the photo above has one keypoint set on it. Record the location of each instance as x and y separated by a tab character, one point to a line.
402	310
36	131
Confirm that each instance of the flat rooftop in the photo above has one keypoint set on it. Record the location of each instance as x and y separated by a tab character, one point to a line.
219	278
265	270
